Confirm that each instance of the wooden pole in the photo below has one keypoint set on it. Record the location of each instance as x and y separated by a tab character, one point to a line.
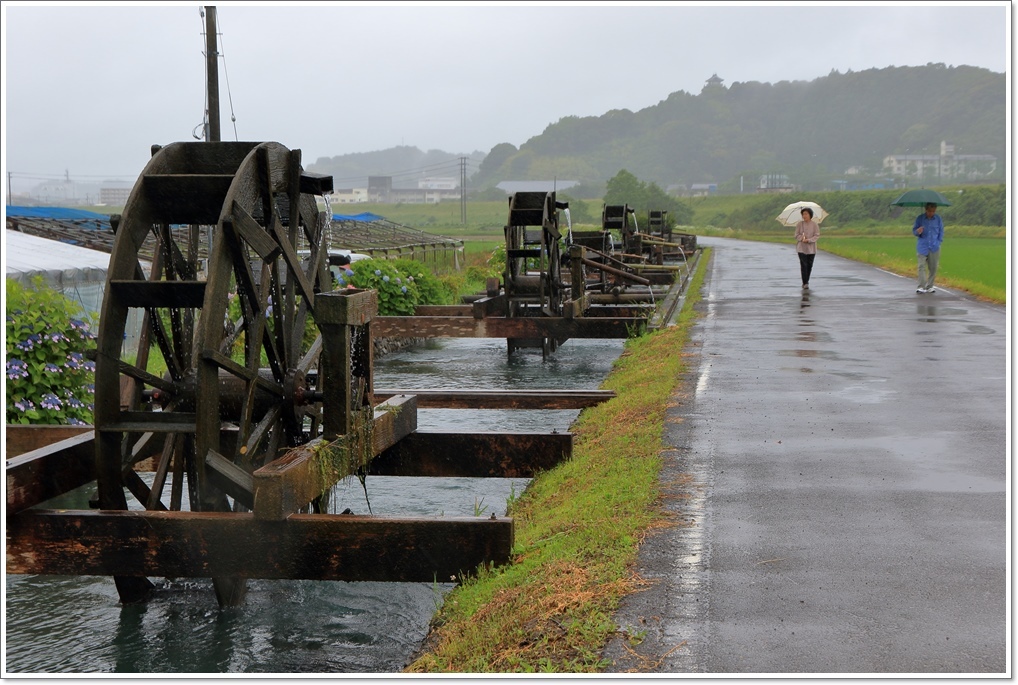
212	74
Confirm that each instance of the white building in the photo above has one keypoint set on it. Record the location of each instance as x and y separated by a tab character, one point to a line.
438	183
946	165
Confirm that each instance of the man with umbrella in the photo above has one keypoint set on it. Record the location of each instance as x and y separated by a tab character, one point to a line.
929	229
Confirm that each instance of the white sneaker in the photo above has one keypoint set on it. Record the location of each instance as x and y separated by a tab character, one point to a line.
921	290
930	289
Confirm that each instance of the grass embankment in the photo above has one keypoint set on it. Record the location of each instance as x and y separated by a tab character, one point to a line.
578	529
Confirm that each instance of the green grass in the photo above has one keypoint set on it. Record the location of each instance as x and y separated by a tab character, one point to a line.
578	530
977	265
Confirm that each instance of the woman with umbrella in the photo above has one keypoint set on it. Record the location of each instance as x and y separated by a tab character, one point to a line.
807	232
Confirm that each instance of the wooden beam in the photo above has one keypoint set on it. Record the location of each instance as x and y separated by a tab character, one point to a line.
179	294
183	544
501	399
498	327
443	310
473	455
44	473
25	438
302	474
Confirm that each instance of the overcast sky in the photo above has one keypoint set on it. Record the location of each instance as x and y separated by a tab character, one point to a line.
89	88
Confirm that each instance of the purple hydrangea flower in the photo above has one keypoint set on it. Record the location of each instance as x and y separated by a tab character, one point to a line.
24	404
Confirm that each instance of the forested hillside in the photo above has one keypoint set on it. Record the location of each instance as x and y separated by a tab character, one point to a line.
813	131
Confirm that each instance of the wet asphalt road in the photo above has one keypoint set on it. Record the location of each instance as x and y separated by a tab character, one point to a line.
847	459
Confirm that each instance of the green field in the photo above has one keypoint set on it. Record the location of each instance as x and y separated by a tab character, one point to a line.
974	258
978	265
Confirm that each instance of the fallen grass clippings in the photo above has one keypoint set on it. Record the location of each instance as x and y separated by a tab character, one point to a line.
578	531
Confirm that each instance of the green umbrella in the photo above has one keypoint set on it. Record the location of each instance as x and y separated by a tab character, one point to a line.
920	197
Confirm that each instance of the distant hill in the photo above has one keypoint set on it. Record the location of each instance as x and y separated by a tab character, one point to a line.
405	164
812	131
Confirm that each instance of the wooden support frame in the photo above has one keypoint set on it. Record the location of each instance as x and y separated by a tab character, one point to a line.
183	544
285	485
473	455
532	327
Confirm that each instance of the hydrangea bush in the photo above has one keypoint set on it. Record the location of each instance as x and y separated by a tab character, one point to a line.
49	378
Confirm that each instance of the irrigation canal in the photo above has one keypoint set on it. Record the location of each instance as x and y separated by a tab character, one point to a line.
77	625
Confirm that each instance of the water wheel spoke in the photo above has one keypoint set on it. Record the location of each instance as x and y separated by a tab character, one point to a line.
147	378
311	357
162	469
141	492
250	442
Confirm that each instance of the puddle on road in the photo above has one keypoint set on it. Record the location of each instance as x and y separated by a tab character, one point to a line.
822	354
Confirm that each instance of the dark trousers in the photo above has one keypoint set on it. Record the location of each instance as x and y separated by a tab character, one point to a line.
806	266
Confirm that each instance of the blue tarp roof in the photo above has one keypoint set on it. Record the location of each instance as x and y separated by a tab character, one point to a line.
58	213
363	216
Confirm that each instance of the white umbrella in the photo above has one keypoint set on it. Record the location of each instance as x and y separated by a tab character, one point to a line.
792	214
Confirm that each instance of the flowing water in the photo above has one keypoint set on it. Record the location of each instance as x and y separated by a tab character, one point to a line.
77	625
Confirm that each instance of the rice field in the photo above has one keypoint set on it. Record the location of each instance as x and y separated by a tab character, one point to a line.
978	265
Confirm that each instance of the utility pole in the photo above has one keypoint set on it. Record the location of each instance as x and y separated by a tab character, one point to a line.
463	190
212	73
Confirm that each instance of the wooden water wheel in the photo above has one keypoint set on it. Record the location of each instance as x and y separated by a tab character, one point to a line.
227	305
533	276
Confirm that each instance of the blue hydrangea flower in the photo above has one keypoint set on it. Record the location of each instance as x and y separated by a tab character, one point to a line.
385	278
78	325
76	422
90	388
51	368
16	369
28	344
75	360
89	366
24	405
56	337
50	401
378	272
349	272
403	288
75	403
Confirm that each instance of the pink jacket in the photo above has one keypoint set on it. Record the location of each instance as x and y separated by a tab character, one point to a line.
806	235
